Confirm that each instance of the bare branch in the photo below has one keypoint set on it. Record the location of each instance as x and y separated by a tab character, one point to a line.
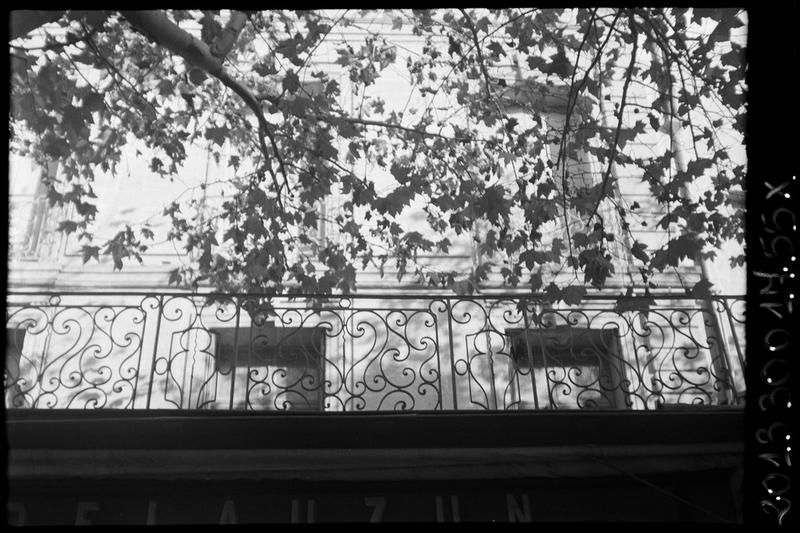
366	122
477	44
586	77
688	112
607	175
380	124
572	97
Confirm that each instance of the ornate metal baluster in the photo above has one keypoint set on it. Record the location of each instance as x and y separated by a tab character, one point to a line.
237	302
440	392
492	376
452	355
720	362
650	364
739	352
544	365
53	302
155	351
528	349
139	361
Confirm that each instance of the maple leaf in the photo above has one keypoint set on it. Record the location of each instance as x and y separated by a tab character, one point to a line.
580	239
73	118
496	49
701	289
559	64
573	294
93	102
67	226
629	303
684	247
165	87
535	281
174	276
85	209
210	28
494	204
217	134
197	76
394	202
532	258
738	261
347	129
552	293
638	251
291	83
89	252
483	24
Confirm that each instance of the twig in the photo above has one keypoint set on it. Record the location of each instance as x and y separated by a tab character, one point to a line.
477	44
570	98
196	52
607	175
453	67
367	122
116	73
586	76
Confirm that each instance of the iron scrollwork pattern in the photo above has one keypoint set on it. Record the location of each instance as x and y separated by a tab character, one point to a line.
369	353
62	354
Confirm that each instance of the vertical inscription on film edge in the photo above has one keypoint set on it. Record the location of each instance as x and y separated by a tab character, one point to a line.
776	297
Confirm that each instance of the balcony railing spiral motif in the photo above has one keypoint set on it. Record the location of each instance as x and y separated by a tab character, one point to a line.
370	353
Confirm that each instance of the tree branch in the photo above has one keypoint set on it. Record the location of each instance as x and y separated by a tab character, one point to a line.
477	43
688	112
489	94
607	175
366	122
168	34
572	97
380	124
585	79
114	71
159	28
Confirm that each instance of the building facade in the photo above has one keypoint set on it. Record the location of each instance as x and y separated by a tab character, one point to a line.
368	406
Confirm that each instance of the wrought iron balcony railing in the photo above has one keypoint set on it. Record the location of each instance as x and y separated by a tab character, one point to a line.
370	353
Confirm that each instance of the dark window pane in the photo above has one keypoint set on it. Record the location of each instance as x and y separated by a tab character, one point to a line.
566	368
281	368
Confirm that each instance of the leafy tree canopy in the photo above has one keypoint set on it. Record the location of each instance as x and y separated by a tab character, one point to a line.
471	149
